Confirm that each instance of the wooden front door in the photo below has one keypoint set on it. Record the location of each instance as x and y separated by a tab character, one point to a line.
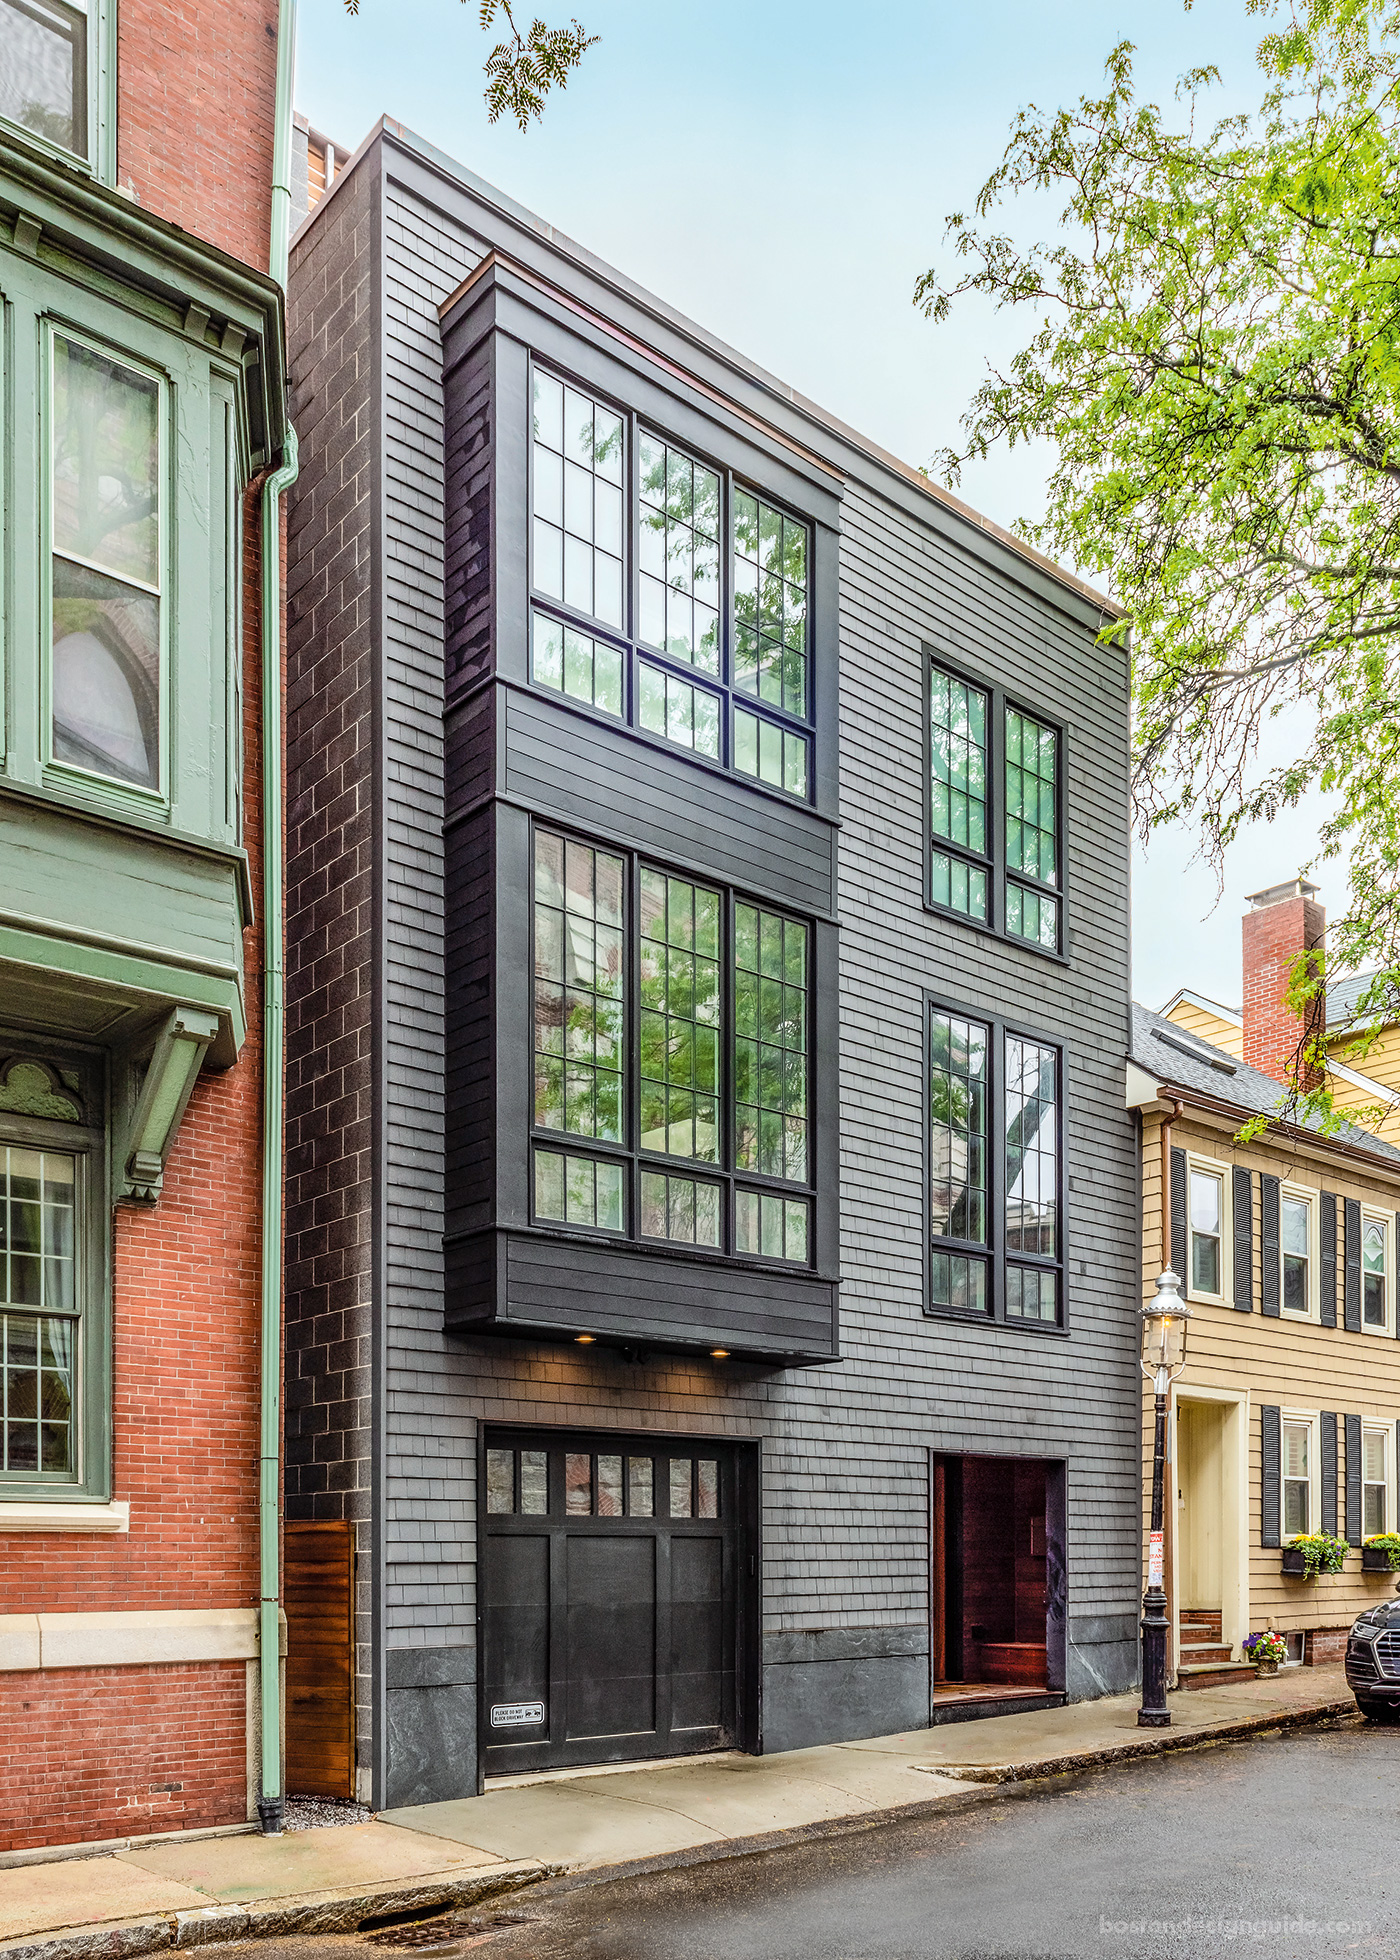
609	1599
319	1596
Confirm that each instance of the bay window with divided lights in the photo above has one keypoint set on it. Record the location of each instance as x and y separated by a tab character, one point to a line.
995	813
672	1058
668	593
996	1227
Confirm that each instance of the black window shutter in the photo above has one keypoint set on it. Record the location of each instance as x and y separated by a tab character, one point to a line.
1327	1278
1178	1202
1353	1530
1269	1479
1351	1294
1268	1228
1243	1208
1329	1473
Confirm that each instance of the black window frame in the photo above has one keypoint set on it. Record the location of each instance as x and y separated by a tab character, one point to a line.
626	639
1000	700
1000	1029
629	1152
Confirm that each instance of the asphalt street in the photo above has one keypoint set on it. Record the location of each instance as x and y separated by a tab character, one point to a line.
1286	1845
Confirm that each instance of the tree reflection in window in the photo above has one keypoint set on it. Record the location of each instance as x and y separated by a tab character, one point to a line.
106	592
43	78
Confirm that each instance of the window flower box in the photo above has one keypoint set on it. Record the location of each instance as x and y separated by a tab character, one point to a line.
1381	1553
1313	1552
1293	1567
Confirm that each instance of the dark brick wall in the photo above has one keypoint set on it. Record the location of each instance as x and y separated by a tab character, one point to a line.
330	746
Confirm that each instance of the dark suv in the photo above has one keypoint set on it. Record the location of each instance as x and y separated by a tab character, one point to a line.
1373	1663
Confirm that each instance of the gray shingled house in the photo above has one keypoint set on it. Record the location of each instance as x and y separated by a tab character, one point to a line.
712	1230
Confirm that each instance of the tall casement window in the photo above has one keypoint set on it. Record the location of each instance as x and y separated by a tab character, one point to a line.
52	1301
106	682
995	1205
1375	1271
57	76
1375	1480
672	1071
668	593
995	811
1297	1469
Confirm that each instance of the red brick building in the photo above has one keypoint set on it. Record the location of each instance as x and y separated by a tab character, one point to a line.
142	360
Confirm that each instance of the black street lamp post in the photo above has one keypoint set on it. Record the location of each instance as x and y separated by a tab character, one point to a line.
1163	1357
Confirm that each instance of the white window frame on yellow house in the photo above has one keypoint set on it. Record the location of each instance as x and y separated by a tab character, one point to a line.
1373	1215
1301	1194
1197	1163
1383	1432
1311	1420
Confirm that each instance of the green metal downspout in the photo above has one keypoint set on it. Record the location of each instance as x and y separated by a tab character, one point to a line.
270	1803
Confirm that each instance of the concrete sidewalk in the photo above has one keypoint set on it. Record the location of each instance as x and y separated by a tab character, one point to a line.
192	1892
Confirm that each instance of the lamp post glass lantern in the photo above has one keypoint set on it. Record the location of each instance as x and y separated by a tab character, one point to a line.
1164	1325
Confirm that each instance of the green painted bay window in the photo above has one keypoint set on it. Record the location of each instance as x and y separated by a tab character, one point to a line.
672	1057
995	789
994	1165
57	76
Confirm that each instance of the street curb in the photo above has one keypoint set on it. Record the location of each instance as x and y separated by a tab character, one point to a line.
1155	1742
307	1912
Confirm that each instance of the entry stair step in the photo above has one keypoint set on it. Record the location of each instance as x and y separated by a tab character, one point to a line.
1200	1622
1212	1674
1193	1650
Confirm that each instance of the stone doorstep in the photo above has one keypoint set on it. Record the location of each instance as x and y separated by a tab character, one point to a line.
1150	1742
311	1912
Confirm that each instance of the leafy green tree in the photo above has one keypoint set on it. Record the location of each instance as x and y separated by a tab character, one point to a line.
1215	362
522	69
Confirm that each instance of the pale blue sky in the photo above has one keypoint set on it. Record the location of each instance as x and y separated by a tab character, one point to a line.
781	172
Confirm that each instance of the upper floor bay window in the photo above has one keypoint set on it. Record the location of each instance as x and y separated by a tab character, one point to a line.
994	814
672	1065
106	664
687	592
994	1169
54	78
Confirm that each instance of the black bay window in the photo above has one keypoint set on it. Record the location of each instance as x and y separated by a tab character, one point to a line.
667	593
995	813
994	1155
672	1057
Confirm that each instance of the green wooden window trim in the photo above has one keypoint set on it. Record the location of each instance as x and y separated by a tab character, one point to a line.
101	158
86	1140
205	464
56	772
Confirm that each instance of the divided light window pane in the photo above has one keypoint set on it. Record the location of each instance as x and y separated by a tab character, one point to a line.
774	755
1032	821
684	1210
767	1226
958	1129
1205	1198
770	604
1294	1228
1373	1237
672	708
1296	1478
680	1009
770	1048
1032	1148
678	554
579	988
106	524
578	1191
576	664
1373	1471
37	1343
43	77
577	463
958	731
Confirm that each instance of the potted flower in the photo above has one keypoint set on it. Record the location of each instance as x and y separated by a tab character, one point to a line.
1381	1553
1313	1552
1265	1650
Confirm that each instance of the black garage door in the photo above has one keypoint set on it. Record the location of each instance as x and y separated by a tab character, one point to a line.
609	1592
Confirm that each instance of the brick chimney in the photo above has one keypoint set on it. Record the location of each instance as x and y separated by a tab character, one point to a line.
1280	923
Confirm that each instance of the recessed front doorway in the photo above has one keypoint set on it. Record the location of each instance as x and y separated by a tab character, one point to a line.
614	1584
998	1583
1209	1560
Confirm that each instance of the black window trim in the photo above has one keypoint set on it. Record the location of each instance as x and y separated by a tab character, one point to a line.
999	700
1000	1029
629	1151
625	637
